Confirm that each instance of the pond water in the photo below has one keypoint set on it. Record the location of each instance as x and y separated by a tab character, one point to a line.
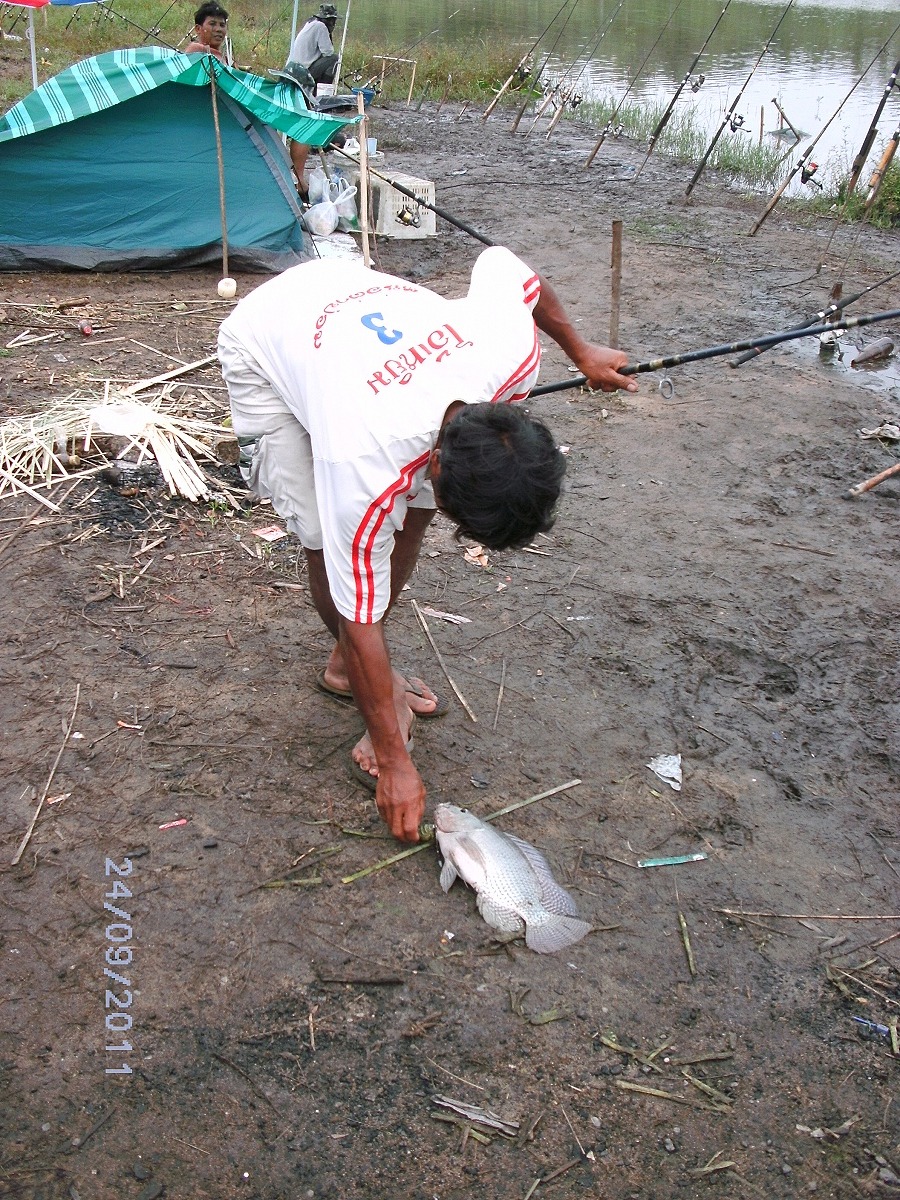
821	50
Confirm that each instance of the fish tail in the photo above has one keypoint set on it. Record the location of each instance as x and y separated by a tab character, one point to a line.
555	932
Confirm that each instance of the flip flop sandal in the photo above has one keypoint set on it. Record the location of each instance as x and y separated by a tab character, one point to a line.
338	693
441	707
365	778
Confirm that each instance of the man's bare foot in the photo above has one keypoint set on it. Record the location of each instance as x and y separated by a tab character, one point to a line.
363	753
421	699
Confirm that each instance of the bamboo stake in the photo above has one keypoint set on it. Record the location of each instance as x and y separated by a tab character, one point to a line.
37	812
364	178
220	159
868	484
460	697
615	300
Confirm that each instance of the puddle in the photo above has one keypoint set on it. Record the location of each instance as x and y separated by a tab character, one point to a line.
882	377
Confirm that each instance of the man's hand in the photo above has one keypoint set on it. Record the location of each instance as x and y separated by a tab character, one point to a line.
601	366
400	797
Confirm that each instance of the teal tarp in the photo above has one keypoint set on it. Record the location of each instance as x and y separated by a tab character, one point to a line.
112	165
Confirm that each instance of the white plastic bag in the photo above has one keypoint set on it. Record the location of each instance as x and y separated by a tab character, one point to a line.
322	218
318	186
345	203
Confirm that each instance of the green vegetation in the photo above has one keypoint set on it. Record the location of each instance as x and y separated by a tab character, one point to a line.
885	212
683	139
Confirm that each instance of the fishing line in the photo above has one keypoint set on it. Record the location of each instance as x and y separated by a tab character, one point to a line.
593	153
801	161
677	360
730	113
664	120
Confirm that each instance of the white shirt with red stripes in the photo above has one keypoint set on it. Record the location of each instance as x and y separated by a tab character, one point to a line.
369	364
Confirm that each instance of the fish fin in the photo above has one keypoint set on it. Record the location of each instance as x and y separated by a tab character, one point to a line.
555	933
502	919
448	875
555	899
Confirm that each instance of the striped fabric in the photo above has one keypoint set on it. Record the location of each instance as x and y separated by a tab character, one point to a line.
108	79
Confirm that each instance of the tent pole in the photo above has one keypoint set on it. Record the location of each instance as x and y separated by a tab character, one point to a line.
221	164
340	61
30	35
294	24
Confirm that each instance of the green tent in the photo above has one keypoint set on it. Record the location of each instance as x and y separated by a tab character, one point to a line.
113	165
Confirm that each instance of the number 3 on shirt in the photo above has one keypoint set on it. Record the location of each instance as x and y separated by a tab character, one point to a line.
375	322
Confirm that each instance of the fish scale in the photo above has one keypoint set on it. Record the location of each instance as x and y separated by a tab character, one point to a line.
513	882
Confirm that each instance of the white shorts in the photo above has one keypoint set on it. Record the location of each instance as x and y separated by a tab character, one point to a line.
281	463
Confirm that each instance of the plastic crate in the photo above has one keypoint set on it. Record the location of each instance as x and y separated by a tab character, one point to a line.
396	216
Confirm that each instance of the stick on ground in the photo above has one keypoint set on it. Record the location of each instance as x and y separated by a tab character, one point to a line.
37	812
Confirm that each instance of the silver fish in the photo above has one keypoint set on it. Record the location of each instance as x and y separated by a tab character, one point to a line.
513	881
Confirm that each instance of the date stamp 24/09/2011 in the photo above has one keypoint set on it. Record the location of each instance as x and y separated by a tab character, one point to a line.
119	953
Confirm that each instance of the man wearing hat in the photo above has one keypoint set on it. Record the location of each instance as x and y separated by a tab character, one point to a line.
313	47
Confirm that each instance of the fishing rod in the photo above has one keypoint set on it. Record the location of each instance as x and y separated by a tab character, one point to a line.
729	117
158	26
533	78
558	89
521	63
664	119
802	160
880	171
860	160
615	113
107	8
823	316
677	360
869	139
440	212
557	117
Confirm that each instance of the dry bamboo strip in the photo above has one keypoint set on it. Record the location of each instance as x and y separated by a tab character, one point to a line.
736	912
460	697
37	812
18	485
143	384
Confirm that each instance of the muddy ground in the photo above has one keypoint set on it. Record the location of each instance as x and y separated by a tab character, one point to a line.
707	592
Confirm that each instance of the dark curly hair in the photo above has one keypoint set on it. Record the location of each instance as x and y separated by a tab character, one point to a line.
500	475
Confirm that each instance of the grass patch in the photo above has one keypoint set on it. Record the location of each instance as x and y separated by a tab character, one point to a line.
685	140
885	212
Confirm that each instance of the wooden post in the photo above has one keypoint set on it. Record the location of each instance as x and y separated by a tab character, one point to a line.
616	265
364	178
412	83
762	122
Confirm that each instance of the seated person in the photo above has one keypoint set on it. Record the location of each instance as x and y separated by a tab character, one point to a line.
313	47
210	30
